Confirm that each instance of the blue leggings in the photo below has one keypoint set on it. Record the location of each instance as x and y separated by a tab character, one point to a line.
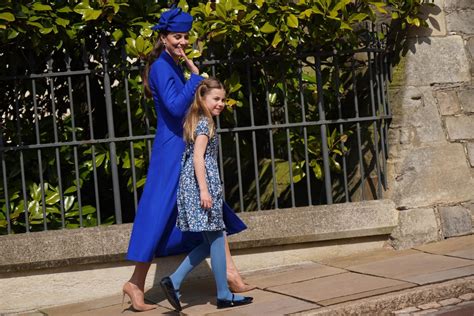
213	243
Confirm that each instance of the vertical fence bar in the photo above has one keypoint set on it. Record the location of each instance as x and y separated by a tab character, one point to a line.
341	126
56	140
219	139
305	131
239	166
74	147
22	162
111	132
5	182
382	111
130	131
254	140
38	151
374	113
91	132
288	144
358	131
147	117
270	136
324	141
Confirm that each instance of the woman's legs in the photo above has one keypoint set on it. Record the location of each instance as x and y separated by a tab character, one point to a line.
135	287
234	279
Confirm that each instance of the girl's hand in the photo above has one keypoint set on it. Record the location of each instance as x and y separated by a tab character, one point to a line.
189	63
206	200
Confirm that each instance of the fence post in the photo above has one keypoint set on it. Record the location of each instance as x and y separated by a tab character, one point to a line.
111	132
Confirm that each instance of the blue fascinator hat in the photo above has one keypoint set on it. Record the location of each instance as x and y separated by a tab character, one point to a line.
174	20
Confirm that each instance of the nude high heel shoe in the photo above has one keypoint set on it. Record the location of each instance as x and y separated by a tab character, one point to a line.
136	297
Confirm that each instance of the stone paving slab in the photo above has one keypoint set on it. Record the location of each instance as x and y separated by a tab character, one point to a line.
462	247
367	257
268	303
292	274
443	275
421	268
340	287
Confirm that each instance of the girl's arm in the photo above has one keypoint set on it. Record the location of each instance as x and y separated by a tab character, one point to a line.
200	170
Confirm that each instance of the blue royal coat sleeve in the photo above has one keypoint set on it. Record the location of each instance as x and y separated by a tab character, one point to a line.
175	97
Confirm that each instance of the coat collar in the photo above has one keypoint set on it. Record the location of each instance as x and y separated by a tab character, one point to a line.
177	68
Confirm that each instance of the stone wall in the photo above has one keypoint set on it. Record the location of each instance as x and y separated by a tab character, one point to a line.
431	160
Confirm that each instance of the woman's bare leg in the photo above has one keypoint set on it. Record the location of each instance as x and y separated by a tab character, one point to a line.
135	287
234	279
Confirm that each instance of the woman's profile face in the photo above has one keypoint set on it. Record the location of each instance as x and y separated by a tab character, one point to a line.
176	43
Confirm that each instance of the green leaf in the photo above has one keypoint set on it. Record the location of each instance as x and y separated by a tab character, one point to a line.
52	198
34	24
291	21
12	33
92	15
268	28
45	30
316	169
62	22
64	10
37	6
88	209
141	182
68	202
71	189
7	16
358	17
276	39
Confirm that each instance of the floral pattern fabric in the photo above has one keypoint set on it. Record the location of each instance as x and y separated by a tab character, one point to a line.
191	216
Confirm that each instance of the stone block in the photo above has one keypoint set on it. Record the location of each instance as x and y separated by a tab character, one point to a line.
431	305
450	301
467	297
448	102
460	127
455	221
452	5
410	107
432	175
466	97
421	68
415	227
470	46
316	223
470	153
434	16
460	21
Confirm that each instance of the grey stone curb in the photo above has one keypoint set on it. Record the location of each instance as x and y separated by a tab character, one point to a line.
385	304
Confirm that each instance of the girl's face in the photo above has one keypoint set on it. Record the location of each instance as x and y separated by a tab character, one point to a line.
214	100
176	43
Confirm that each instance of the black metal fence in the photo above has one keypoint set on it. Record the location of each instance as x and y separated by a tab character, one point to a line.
76	138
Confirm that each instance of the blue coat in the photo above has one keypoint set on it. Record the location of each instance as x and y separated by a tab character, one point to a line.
154	230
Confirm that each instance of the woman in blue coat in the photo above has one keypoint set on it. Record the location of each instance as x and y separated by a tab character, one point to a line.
154	230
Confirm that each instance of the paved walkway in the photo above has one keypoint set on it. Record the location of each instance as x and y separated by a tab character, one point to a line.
433	279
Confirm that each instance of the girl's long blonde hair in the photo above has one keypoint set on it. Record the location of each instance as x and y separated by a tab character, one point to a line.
198	109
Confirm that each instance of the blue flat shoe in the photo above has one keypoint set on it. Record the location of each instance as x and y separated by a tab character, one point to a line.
231	303
170	293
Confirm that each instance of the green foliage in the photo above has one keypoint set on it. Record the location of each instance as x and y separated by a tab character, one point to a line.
33	30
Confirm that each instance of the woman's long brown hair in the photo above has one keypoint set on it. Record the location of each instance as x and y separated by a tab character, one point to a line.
150	58
198	109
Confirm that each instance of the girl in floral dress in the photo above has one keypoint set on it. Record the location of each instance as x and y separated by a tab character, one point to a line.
200	197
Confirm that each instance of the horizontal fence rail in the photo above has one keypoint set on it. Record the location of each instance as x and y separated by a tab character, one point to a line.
306	129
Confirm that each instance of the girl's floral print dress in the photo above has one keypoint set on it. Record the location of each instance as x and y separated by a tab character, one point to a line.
191	216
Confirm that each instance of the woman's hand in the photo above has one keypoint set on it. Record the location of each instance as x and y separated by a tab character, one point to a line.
206	200
189	63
